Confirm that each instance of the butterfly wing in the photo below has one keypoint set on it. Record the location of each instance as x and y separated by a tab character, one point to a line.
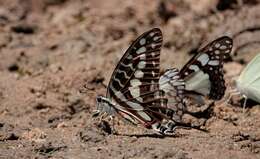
249	79
251	71
138	70
134	82
203	74
173	87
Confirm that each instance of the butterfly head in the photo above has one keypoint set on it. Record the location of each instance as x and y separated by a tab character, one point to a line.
104	106
239	86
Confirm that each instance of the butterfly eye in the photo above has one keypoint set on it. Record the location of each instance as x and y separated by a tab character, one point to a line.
99	99
95	113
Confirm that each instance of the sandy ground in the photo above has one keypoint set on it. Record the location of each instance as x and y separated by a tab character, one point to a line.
49	49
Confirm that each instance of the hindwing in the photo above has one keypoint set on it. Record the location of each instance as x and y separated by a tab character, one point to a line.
203	74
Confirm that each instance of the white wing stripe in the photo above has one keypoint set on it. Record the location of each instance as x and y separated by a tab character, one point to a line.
125	75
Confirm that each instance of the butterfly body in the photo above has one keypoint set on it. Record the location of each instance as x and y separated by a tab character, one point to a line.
105	106
133	92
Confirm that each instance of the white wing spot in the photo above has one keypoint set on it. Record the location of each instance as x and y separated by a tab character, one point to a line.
204	58
223	47
228	42
135	82
141	64
217	52
217	57
186	73
139	74
129	57
214	62
210	49
156	38
227	51
211	68
217	45
141	50
135	91
194	67
142	41
152	34
142	56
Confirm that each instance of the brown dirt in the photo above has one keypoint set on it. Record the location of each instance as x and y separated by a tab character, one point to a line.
50	48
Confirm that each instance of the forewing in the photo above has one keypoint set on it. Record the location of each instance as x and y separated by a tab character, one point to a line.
134	83
203	74
138	68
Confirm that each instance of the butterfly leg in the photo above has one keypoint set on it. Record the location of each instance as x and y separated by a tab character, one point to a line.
244	104
171	127
165	128
232	93
112	119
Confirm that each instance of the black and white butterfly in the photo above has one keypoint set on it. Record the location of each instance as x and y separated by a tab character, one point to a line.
133	91
203	73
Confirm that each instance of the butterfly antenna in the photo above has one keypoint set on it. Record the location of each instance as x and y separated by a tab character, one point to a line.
105	86
231	93
112	119
189	126
86	89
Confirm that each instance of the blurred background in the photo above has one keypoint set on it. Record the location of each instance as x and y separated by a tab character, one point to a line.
49	49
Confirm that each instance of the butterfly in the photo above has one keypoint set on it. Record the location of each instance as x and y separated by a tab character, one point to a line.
133	92
248	83
203	73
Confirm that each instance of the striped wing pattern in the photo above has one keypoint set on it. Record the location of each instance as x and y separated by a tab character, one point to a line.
203	74
173	87
134	82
